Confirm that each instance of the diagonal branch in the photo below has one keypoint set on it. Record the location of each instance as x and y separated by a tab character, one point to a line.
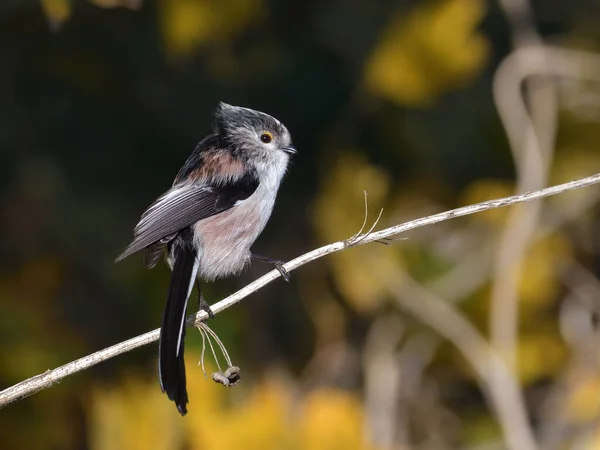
48	378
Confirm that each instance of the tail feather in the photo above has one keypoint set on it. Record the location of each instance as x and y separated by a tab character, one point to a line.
171	364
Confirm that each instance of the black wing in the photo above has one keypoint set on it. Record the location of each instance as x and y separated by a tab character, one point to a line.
181	206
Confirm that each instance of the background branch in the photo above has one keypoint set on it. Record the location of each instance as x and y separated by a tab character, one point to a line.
494	375
531	128
48	378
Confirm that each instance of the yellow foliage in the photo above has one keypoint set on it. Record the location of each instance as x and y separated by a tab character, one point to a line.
136	415
435	48
540	281
260	422
133	415
338	214
186	24
57	11
588	441
332	419
478	429
582	404
540	355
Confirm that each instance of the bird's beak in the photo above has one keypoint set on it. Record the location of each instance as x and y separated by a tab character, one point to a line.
290	150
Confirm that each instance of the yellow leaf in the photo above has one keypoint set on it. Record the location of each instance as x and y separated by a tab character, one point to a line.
133	415
583	405
539	282
332	419
540	355
187	24
258	422
57	12
434	49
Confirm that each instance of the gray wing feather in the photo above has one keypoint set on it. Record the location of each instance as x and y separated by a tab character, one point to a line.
175	210
181	206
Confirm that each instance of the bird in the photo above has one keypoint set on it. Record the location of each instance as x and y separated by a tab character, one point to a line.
205	224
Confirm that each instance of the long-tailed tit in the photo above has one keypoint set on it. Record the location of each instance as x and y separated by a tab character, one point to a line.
219	203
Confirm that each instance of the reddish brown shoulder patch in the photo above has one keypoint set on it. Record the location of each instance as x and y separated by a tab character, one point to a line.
219	164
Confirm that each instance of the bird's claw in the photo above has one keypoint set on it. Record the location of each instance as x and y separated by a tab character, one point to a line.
204	306
284	273
277	263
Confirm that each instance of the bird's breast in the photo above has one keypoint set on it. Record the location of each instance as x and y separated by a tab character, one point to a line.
224	240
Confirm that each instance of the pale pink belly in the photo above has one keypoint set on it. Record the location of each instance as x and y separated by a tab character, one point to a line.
225	239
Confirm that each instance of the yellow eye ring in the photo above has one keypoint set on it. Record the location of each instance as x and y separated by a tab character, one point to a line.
266	137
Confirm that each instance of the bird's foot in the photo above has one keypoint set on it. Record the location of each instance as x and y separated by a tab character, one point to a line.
204	306
277	263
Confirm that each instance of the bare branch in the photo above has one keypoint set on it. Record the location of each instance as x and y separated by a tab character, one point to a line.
366	215
48	378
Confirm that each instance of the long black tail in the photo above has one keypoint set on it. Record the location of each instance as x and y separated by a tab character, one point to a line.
171	365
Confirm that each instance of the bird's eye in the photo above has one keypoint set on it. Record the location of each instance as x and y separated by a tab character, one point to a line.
266	137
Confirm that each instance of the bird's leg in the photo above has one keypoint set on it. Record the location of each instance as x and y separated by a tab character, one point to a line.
276	262
202	303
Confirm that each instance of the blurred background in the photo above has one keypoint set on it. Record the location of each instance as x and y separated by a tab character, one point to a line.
477	333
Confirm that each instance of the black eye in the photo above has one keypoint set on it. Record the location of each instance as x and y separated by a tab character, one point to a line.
266	137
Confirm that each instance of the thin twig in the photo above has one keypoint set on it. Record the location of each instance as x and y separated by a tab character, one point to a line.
212	349
366	217
216	338
474	268
48	378
201	363
357	239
